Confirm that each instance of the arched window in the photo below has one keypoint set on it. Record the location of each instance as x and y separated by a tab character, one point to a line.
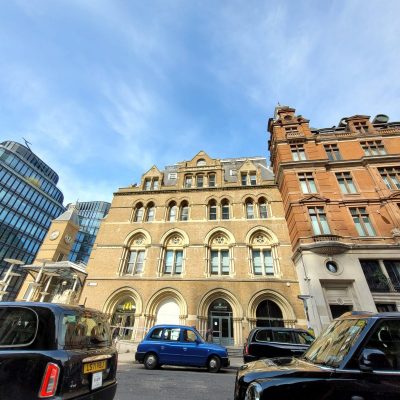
201	162
261	255
262	208
150	212
134	263
138	215
225	209
184	211
172	211
219	255
249	209
268	313
212	210
123	319
173	255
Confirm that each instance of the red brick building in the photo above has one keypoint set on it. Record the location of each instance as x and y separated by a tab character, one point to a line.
341	192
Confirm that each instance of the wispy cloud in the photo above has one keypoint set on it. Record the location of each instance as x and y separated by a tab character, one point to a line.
105	89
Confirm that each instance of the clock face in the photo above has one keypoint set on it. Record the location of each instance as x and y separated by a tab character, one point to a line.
54	235
68	238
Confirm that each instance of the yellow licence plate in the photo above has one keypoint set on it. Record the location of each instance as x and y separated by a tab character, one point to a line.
94	366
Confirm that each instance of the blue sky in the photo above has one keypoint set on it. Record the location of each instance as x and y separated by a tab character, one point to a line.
105	89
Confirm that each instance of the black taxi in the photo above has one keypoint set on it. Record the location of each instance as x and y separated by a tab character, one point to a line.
356	358
56	352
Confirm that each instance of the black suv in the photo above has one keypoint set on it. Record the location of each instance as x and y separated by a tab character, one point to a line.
275	342
55	351
356	357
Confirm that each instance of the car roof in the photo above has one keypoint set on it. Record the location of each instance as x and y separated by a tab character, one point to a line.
172	326
368	314
274	328
56	307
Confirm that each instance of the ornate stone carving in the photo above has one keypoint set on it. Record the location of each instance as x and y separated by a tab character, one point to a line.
176	240
139	240
220	239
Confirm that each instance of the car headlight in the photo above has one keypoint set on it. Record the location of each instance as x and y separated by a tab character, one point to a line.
253	392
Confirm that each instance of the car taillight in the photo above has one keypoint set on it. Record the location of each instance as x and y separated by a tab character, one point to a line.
246	349
50	380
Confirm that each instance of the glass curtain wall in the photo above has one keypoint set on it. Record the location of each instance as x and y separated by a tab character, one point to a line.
29	201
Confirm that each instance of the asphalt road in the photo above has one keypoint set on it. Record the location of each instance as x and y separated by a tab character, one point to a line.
174	383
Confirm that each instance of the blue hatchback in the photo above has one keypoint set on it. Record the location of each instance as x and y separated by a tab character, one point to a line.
180	345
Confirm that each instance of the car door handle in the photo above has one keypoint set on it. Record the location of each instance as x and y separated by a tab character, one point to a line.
162	347
185	348
357	398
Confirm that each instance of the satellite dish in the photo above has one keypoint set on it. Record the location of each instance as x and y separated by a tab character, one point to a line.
343	122
380	119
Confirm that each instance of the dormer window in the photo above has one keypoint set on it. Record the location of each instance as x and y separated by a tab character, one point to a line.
248	178
361	127
150	184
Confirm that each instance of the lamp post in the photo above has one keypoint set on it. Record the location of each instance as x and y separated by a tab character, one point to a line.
9	275
304	298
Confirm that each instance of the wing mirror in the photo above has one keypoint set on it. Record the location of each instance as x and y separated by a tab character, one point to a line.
372	359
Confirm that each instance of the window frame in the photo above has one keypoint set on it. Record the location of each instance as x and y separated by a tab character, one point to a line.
174	264
320	221
390	176
220	266
362	225
345	182
298	152
307	182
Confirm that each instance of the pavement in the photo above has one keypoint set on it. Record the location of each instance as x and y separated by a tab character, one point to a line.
129	357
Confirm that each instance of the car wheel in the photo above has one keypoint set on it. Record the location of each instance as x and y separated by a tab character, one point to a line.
214	364
150	361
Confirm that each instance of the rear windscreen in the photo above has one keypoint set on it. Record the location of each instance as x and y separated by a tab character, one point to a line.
18	326
84	330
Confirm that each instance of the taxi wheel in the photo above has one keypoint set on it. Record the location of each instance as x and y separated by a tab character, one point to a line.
214	364
150	361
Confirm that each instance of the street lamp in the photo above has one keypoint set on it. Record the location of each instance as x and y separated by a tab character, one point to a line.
9	275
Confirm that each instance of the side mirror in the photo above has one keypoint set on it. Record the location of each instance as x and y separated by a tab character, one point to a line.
198	341
372	359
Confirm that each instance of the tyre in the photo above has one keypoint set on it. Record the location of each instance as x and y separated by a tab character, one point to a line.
150	361
214	364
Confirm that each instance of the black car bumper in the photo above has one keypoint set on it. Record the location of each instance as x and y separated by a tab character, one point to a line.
104	393
139	357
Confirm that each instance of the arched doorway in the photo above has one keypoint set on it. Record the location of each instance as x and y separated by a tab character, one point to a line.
168	312
221	322
123	319
268	313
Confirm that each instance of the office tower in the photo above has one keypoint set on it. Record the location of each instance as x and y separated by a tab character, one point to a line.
29	201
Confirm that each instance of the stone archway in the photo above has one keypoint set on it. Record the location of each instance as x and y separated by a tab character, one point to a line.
124	308
166	306
228	300
271	309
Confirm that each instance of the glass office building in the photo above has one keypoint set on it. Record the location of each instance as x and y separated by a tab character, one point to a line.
29	201
90	215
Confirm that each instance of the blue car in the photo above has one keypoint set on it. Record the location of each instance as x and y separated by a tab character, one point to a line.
180	345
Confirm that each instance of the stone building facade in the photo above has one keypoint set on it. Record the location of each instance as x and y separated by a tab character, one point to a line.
204	243
340	188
